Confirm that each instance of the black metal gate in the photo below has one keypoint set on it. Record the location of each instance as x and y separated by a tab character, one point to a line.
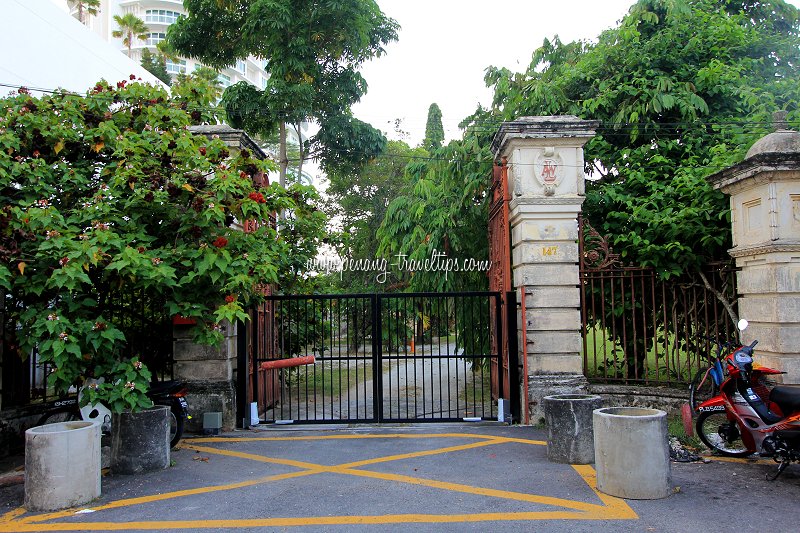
379	357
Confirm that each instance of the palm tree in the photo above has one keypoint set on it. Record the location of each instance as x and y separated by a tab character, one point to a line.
92	7
130	27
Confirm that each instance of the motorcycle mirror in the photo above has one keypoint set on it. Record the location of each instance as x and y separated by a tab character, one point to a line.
742	325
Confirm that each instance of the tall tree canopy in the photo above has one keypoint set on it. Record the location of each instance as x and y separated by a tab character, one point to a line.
85	7
312	49
670	116
129	27
682	88
359	202
434	131
442	209
156	64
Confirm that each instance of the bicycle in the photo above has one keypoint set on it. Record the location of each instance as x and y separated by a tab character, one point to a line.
706	382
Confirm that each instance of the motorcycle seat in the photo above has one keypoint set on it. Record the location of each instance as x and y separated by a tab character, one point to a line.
788	398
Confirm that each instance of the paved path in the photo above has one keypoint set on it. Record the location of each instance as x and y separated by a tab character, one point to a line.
424	386
437	478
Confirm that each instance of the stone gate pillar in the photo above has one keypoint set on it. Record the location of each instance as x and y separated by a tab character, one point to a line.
545	156
765	218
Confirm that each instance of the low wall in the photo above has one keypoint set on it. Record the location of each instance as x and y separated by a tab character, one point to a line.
666	399
13	423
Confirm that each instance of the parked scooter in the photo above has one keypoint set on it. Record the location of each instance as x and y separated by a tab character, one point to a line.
171	394
747	416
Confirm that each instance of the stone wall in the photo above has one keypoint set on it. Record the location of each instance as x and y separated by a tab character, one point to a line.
764	194
210	373
669	400
13	423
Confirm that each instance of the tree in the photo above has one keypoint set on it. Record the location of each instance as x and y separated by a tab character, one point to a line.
130	27
156	64
442	209
312	50
111	191
434	132
671	115
359	202
92	7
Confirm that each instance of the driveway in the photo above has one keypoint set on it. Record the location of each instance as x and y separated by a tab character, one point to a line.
430	478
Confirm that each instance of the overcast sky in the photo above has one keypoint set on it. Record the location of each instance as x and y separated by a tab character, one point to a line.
445	45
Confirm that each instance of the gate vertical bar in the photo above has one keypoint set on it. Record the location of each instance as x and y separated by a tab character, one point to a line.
503	342
377	381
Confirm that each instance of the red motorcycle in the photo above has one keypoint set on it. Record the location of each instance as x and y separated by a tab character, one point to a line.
747	416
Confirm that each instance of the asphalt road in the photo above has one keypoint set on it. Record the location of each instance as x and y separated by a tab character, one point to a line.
422	478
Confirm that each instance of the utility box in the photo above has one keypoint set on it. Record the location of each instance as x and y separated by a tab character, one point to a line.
212	422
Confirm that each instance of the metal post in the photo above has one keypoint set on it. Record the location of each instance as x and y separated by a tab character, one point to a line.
513	356
377	374
498	318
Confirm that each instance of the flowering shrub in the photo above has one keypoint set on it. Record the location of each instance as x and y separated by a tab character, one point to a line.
112	190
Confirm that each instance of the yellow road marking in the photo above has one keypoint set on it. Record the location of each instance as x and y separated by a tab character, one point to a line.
743	460
169	495
310	521
611	508
615	508
347	469
12	514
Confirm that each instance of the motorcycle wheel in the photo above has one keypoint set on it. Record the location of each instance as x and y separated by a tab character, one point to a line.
63	414
175	425
721	435
702	388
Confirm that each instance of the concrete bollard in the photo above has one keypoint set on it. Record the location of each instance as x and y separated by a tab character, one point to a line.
631	451
140	441
570	437
62	465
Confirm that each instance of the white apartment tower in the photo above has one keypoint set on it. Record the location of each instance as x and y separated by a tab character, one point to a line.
158	15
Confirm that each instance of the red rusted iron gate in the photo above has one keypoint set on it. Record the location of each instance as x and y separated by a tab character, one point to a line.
501	281
407	357
639	328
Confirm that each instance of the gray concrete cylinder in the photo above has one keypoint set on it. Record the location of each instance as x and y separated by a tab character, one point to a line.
568	418
631	450
140	441
62	465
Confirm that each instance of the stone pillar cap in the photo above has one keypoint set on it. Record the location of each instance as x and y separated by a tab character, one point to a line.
552	126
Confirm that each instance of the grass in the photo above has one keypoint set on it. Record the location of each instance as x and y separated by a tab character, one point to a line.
675	429
606	358
330	380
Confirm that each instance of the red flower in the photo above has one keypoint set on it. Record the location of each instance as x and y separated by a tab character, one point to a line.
230	299
63	261
257	197
202	150
132	77
220	242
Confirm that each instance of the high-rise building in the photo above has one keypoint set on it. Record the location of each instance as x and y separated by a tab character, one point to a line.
157	16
